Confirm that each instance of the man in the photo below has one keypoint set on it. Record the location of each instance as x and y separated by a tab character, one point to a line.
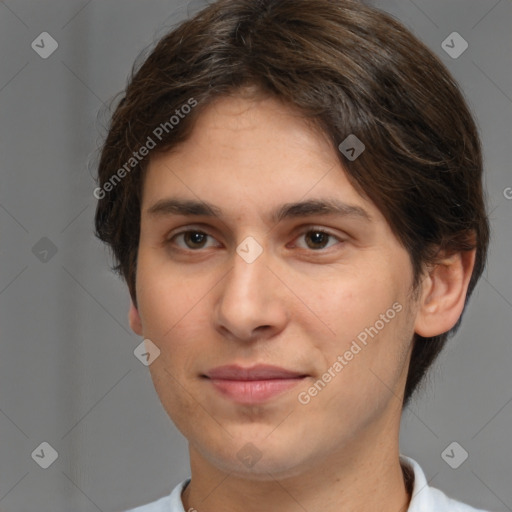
293	193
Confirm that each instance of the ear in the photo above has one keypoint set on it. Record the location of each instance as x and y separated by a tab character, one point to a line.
444	293
134	319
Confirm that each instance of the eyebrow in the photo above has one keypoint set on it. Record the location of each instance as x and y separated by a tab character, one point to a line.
308	208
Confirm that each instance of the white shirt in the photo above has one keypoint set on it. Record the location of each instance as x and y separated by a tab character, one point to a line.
424	498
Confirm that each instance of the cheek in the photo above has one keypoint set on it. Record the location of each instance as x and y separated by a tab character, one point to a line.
181	402
370	329
348	304
167	299
175	321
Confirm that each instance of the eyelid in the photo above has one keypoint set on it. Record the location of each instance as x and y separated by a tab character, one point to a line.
206	229
314	227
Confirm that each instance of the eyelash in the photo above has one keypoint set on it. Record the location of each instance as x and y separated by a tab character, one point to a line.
171	239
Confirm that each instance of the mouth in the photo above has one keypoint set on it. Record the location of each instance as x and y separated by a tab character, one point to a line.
252	385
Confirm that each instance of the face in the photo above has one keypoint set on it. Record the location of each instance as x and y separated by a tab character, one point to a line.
277	295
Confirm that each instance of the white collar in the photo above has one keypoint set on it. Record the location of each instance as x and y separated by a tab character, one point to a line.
424	498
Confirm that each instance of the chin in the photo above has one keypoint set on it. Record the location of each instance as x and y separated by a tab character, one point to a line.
262	460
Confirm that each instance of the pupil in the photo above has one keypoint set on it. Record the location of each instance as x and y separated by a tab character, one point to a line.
196	238
317	238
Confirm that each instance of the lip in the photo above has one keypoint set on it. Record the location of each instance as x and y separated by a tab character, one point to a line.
252	385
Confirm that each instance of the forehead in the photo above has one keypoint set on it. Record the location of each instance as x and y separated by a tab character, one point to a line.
251	152
257	131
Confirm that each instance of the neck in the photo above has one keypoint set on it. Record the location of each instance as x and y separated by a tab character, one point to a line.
355	478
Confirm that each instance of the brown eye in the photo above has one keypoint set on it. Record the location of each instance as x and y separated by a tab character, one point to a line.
192	240
317	239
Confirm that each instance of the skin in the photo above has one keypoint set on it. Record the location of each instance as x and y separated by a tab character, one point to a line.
299	305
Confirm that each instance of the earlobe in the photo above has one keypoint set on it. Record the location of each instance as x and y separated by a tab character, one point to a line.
444	293
134	319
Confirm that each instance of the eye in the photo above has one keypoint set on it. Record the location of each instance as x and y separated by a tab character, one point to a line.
317	239
191	239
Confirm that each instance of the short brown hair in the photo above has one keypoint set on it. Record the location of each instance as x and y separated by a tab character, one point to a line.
348	68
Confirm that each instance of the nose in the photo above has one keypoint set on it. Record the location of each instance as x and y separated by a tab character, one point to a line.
252	301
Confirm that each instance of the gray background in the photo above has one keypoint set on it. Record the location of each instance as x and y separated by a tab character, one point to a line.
68	375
